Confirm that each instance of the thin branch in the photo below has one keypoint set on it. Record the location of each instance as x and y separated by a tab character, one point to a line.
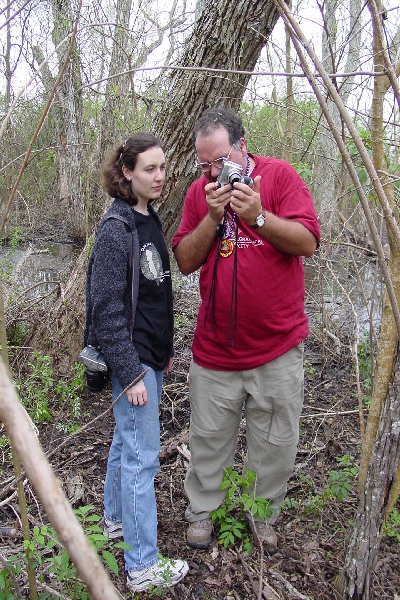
296	35
49	490
228	71
12	482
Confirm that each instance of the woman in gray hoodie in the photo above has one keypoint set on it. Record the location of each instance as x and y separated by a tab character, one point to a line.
130	317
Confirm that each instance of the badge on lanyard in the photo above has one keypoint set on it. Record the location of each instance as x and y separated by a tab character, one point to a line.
226	248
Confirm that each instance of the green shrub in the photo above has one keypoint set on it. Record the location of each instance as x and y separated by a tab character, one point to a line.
240	500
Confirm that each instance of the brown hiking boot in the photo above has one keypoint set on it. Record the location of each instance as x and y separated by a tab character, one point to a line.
265	535
199	534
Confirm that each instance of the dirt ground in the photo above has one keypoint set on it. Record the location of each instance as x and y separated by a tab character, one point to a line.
312	534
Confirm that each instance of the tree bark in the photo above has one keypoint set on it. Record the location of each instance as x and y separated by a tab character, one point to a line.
227	35
355	582
69	121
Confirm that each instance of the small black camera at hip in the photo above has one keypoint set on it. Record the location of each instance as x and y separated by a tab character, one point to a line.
95	380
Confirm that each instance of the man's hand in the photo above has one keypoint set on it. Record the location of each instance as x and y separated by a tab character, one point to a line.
137	394
217	199
285	235
245	201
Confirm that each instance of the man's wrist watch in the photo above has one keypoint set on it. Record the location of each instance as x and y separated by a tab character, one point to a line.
260	220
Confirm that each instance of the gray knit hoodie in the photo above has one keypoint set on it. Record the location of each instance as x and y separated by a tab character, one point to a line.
110	298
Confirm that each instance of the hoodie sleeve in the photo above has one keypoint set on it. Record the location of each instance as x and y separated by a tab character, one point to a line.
111	301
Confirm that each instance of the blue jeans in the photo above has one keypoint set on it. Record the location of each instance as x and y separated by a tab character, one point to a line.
133	461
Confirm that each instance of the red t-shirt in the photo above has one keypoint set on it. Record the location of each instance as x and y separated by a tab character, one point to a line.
252	297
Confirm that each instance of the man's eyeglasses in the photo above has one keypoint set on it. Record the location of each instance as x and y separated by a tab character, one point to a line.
218	162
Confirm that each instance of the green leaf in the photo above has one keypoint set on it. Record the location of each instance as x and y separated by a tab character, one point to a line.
97	537
123	546
224	485
94	529
64	559
92	519
110	561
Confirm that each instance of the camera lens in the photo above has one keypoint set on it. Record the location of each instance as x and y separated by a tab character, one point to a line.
247	180
94	380
233	178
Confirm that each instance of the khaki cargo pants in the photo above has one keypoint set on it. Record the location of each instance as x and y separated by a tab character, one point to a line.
271	399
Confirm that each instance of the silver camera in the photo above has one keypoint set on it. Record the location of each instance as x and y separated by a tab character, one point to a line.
231	173
93	359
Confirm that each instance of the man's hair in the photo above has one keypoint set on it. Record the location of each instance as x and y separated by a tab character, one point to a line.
215	118
112	178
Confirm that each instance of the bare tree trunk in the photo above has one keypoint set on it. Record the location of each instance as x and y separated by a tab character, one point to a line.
326	169
7	100
363	549
227	35
70	130
116	96
289	98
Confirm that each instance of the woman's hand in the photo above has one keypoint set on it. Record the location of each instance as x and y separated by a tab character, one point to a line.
137	394
168	366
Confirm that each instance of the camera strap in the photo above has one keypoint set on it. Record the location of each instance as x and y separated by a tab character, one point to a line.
210	309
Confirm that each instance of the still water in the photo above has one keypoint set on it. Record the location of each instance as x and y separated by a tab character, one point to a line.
38	268
344	289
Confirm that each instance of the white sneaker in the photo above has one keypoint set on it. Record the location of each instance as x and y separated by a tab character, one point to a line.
112	529
164	574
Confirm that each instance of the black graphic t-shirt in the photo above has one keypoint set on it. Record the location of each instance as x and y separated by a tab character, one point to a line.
152	327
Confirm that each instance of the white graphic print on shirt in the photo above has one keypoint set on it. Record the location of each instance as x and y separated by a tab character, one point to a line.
151	265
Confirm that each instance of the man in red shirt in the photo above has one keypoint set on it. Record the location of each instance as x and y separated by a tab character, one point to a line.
248	241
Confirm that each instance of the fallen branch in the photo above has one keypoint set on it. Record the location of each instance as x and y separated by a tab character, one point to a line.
177	444
290	588
49	490
15	480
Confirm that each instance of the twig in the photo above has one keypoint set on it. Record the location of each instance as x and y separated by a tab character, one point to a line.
331	414
35	285
250	577
291	589
103	414
260	579
75	433
53	591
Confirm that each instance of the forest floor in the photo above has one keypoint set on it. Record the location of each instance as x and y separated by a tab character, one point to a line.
313	529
